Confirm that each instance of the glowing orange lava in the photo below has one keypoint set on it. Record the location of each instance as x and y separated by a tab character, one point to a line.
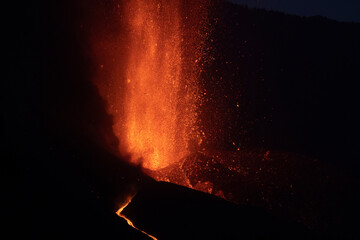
119	212
154	97
154	77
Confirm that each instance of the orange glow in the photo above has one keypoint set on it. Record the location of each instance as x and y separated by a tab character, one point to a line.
118	212
154	77
153	89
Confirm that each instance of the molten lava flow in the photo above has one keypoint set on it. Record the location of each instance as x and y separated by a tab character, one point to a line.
118	212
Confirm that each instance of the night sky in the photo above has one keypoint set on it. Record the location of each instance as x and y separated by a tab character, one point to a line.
341	10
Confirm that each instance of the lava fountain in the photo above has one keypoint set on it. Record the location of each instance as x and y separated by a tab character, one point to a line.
154	80
155	117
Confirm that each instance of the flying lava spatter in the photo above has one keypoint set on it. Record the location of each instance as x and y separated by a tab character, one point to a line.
155	117
160	93
153	81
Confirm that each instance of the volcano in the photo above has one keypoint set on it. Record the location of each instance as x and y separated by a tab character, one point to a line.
190	119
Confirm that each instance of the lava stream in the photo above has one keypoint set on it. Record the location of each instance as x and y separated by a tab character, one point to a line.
119	213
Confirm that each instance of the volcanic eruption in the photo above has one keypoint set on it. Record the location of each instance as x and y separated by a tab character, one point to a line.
154	99
150	58
244	104
153	91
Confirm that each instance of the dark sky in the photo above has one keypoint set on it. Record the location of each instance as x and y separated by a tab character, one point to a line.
341	10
